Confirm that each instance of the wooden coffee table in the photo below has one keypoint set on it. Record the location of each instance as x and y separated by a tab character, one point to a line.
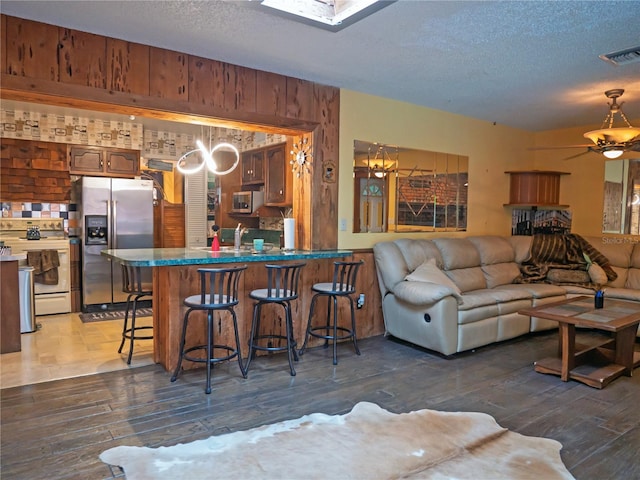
596	365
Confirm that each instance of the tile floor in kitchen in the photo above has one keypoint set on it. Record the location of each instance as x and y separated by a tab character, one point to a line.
65	347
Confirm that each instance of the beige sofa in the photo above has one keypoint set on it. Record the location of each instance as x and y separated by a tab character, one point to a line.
455	294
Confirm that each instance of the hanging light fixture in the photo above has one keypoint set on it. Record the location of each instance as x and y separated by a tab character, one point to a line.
194	160
381	161
614	141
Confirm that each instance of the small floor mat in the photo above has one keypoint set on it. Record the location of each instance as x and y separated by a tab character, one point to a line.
114	315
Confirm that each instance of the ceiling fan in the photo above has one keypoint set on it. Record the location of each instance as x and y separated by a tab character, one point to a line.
611	141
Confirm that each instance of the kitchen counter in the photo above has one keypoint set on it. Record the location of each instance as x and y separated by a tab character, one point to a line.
13	258
175	277
164	257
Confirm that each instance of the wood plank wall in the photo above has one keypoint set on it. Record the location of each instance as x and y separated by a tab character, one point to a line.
33	171
44	63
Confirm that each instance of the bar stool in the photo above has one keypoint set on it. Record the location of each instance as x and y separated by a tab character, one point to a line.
218	292
343	285
136	288
282	288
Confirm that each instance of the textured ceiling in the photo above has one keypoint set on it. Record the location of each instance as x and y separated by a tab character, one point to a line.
530	65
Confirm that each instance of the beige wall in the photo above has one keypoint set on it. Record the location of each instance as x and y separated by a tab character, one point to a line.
492	149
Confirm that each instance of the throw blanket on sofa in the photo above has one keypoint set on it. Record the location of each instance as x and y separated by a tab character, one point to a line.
562	252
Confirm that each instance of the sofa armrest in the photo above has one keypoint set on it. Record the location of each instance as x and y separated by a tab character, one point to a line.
423	293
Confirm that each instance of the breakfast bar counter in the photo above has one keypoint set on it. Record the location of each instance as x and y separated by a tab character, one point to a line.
175	278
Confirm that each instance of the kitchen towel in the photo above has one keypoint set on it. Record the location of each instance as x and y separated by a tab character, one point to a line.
289	233
45	264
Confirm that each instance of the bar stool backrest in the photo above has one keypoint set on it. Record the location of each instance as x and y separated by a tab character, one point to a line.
282	281
219	286
133	281
344	276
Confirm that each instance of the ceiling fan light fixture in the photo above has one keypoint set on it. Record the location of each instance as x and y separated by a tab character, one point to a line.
613	135
609	140
613	153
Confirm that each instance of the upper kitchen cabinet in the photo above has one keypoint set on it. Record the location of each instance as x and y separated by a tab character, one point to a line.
253	167
268	166
112	162
277	186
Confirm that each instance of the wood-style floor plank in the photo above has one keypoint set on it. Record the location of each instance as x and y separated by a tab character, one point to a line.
56	430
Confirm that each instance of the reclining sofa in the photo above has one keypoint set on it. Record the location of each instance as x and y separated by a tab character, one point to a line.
455	294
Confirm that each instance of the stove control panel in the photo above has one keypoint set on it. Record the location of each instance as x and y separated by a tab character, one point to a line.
24	224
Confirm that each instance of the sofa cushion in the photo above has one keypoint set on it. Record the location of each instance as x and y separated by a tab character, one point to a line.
493	249
474	300
622	294
468	279
423	293
417	251
635	256
429	272
621	280
521	247
633	279
457	253
573	290
538	290
617	252
500	273
390	265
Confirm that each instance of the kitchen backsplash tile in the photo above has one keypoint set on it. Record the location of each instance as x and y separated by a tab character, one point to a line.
37	210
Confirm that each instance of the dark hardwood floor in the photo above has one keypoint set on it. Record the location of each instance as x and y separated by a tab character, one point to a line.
56	430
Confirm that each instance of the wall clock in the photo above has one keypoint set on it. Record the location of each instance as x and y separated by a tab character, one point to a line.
301	153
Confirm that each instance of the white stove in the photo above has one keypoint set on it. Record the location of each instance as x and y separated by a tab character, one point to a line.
49	299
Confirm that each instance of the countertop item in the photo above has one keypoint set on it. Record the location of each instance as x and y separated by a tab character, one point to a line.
13	258
162	257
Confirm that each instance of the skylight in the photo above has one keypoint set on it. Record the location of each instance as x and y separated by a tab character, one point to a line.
331	14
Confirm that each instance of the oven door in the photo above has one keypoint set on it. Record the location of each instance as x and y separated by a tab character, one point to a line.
52	299
49	299
64	276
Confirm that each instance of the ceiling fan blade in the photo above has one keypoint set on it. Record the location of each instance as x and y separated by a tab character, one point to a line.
557	147
578	155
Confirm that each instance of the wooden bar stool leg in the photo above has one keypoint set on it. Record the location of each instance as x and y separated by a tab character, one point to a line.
125	324
290	342
182	343
209	349
133	328
353	325
237	334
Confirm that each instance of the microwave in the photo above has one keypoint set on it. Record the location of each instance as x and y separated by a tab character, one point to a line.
247	202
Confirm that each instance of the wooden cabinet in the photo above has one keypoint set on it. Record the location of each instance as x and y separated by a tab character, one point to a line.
268	166
10	340
113	162
168	225
253	167
535	188
277	188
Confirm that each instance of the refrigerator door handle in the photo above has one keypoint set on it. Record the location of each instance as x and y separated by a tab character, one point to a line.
109	224
114	222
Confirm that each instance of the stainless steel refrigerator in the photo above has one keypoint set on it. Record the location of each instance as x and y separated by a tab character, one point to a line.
115	213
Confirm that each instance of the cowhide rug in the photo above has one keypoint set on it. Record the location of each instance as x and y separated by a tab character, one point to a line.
367	443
